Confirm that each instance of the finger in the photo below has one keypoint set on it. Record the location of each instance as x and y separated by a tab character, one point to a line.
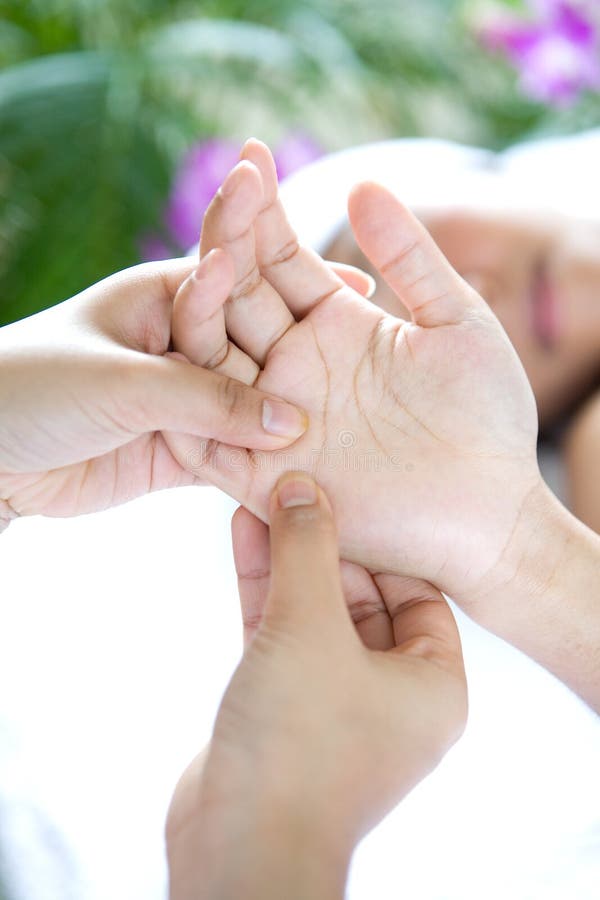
255	315
305	569
166	394
401	249
298	274
366	607
359	281
422	621
198	321
252	556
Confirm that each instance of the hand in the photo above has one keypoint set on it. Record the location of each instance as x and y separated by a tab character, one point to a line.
318	736
437	412
88	386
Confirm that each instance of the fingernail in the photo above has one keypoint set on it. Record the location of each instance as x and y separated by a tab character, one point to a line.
296	490
283	419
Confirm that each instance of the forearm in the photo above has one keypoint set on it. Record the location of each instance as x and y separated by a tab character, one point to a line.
260	851
549	607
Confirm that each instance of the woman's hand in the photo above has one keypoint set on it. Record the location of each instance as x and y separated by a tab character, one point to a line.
87	387
326	724
422	432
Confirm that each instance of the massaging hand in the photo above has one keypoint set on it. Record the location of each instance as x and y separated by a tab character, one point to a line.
326	724
85	389
423	433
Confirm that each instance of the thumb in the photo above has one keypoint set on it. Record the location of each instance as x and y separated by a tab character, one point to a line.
169	394
305	567
401	248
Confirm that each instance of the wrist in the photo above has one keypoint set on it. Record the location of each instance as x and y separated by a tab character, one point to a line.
543	598
257	842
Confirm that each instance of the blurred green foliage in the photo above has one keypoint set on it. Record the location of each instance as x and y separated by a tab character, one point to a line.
100	98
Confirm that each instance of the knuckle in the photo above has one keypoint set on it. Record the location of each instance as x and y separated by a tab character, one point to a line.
209	453
404	257
285	253
247	285
218	357
424	646
231	397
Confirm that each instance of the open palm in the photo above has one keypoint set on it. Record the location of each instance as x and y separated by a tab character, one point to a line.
423	433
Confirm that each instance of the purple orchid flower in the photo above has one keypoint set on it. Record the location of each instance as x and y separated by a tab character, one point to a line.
154	248
202	171
558	55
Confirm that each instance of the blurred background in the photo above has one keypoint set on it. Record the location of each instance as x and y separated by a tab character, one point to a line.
119	117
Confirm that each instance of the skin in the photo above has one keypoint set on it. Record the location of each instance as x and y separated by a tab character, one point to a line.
442	401
86	390
90	396
502	255
268	811
447	386
89	388
360	374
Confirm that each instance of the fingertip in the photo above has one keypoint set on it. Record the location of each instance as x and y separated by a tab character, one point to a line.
200	296
241	172
259	154
305	564
237	520
299	491
370	201
254	147
216	265
361	193
240	520
250	542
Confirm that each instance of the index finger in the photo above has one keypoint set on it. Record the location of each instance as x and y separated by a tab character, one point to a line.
422	620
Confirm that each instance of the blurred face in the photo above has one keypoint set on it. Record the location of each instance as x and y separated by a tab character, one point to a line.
540	275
